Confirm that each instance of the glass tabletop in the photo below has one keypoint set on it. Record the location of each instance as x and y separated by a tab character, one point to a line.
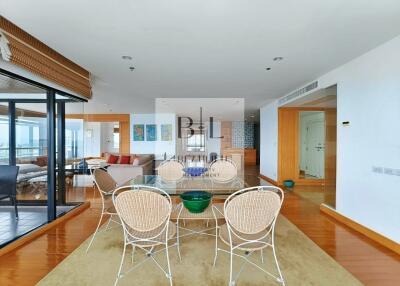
187	183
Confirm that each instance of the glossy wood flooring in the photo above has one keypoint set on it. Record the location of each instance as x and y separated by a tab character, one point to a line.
369	262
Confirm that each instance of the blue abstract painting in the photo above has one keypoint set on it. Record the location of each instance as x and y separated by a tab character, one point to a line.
151	132
138	132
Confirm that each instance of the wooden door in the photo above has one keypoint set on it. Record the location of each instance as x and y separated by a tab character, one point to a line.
315	149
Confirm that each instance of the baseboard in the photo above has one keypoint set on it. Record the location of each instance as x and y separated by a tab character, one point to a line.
310	182
269	180
382	240
40	230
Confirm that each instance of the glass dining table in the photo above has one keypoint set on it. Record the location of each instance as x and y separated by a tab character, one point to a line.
190	183
214	212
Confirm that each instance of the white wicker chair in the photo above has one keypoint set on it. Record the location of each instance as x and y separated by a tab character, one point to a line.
171	170
145	215
105	185
223	170
250	216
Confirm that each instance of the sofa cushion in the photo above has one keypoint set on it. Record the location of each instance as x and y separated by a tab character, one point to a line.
29	168
27	176
125	159
135	159
112	159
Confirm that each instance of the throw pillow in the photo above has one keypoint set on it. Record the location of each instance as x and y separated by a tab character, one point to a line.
125	160
135	162
112	159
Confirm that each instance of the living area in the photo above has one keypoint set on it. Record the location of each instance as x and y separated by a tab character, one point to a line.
199	143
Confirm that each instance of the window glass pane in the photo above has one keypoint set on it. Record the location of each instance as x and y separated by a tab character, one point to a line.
73	139
31	150
41	95
196	143
116	136
4	132
31	157
76	174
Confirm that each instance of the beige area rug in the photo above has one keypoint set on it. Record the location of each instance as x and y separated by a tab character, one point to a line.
302	263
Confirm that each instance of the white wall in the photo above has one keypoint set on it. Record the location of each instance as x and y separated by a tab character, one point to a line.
154	147
142	147
92	144
368	95
107	137
101	140
167	147
269	140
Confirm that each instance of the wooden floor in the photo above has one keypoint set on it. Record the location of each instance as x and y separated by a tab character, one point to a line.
369	262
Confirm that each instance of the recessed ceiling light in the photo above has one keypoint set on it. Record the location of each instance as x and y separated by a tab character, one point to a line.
131	68
127	58
277	59
268	69
252	116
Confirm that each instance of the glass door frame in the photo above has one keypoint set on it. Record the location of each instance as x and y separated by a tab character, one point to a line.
53	112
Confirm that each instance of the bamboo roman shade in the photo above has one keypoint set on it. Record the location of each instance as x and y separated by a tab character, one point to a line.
34	56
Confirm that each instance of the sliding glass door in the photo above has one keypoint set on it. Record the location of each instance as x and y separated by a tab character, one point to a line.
71	166
48	147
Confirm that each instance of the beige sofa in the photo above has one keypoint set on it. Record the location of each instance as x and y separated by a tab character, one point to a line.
143	165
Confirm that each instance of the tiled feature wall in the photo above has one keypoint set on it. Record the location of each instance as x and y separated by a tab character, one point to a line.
242	134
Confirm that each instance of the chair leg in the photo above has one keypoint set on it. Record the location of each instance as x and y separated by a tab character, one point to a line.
231	283
133	252
121	264
262	256
216	243
169	276
108	223
14	202
216	236
178	246
97	228
280	280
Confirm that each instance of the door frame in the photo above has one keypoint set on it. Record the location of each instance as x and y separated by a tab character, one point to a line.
289	143
124	126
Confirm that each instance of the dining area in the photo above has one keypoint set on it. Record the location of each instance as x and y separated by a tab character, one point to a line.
188	217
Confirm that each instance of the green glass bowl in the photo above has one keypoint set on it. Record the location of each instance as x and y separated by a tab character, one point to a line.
196	201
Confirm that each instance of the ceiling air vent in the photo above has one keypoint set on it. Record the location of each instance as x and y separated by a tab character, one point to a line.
298	93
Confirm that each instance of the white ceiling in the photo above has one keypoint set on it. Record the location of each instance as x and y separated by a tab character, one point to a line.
204	48
221	109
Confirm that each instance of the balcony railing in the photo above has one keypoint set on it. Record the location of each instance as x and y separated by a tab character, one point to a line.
31	153
22	153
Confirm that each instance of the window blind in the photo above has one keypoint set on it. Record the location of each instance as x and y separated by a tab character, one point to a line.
36	57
